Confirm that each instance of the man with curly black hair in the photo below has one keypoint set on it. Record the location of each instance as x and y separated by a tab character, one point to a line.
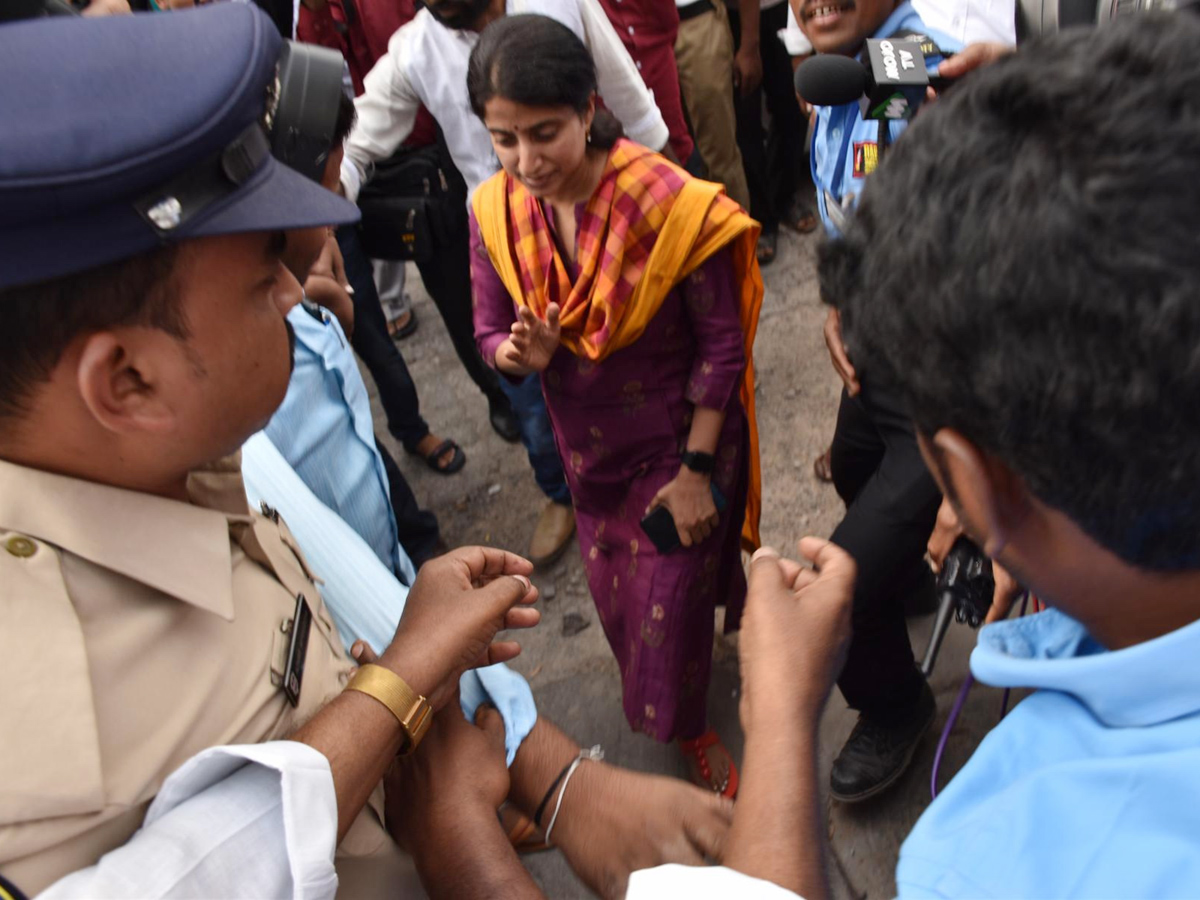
1034	298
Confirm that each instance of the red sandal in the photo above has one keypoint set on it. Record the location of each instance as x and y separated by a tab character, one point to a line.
702	773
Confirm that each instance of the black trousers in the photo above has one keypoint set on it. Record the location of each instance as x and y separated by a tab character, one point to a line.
891	504
772	166
447	278
377	350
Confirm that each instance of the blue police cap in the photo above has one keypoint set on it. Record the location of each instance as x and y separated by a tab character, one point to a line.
121	134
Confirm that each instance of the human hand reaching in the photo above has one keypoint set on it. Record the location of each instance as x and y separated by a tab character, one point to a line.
747	69
454	610
969	58
331	264
615	821
532	343
689	498
795	631
946	531
460	773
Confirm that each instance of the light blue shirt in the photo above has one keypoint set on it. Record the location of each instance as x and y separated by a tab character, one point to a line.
317	464
364	598
845	146
1089	788
324	430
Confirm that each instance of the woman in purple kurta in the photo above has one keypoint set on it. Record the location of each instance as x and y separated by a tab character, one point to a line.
621	426
632	290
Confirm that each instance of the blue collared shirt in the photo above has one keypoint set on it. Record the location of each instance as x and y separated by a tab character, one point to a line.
1087	789
363	596
845	146
324	430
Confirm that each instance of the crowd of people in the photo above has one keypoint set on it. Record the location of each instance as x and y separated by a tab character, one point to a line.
237	658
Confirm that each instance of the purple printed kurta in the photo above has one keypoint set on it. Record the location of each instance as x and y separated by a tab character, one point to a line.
621	425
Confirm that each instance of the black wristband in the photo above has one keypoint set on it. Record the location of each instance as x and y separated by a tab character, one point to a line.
702	463
537	816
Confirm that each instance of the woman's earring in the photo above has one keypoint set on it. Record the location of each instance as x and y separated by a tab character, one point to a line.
589	135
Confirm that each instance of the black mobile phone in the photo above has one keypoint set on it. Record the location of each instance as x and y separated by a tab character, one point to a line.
659	524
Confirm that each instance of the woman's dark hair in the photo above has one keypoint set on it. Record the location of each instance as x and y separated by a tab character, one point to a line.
536	61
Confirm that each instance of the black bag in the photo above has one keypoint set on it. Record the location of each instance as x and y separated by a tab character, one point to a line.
410	205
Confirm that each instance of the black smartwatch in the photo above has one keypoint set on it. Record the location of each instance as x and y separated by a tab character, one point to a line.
701	463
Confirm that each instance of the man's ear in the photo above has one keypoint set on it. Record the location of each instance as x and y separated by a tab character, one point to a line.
120	386
991	499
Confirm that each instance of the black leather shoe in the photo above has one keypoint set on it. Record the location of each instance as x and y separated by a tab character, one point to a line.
503	419
875	756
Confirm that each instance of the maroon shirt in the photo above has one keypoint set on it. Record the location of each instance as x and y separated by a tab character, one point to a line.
647	29
360	31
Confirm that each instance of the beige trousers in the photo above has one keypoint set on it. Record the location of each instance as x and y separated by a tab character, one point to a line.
704	57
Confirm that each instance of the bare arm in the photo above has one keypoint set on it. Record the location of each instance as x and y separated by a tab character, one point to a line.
676	822
468	857
794	635
441	807
747	61
777	833
447	626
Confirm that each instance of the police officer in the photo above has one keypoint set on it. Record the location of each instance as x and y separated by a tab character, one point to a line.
147	616
145	612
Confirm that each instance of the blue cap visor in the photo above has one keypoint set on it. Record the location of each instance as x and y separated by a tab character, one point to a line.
274	198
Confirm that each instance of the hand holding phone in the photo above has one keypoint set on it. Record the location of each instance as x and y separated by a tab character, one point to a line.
660	526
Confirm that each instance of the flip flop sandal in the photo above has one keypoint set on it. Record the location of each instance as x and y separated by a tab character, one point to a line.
801	219
823	467
694	751
806	224
400	332
457	461
767	246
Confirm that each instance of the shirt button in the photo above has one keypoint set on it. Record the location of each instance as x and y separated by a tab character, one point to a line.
631	29
20	547
639	65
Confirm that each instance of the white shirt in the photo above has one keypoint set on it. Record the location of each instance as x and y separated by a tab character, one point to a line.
971	21
258	820
795	40
426	64
701	883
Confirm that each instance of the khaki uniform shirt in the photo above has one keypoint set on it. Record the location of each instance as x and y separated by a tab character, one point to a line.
136	631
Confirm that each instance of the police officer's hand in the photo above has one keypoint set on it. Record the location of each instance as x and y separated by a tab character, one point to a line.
454	610
837	352
459	776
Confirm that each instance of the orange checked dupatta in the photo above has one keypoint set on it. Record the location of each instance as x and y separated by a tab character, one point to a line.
647	227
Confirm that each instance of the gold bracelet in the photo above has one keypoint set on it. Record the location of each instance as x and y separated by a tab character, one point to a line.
411	710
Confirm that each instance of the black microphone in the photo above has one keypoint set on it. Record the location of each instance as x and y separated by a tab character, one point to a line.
889	84
831	80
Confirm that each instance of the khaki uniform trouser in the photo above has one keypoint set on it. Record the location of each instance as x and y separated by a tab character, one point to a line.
704	57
